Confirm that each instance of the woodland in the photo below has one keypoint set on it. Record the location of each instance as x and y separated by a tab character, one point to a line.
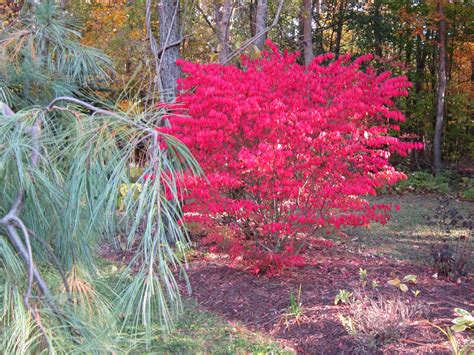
236	176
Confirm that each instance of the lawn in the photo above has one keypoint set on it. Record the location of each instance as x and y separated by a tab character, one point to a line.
200	331
407	236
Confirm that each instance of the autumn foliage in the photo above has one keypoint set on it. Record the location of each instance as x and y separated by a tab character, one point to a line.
290	152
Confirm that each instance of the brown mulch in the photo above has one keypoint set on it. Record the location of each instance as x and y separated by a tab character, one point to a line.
261	302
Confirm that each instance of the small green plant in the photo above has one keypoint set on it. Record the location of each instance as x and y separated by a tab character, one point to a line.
463	321
343	296
296	306
295	310
456	348
363	276
402	284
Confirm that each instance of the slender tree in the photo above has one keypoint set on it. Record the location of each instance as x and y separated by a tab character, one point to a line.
260	22
223	14
170	39
317	11
376	27
441	89
307	20
339	25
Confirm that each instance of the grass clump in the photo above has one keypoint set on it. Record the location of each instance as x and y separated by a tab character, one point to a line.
376	322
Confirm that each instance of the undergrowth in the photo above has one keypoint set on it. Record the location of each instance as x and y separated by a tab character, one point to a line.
421	182
376	322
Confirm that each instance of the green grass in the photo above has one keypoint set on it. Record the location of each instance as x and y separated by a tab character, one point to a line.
406	236
199	331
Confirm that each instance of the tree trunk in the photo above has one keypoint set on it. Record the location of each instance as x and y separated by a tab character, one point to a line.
319	27
472	70
170	35
377	29
307	19
339	27
421	54
441	90
260	22
408	59
223	14
252	16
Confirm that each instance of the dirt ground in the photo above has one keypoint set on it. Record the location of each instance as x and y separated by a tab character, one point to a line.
260	303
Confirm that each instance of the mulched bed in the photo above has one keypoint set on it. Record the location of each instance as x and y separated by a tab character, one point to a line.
260	302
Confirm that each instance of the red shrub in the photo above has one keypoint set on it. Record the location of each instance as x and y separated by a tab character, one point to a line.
289	150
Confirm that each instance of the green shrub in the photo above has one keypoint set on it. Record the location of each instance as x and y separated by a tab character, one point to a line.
466	188
423	182
468	194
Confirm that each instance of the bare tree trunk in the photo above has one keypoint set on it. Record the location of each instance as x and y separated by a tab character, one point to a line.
252	16
441	90
170	39
377	28
472	70
252	40
319	27
223	14
340	26
421	54
260	22
307	19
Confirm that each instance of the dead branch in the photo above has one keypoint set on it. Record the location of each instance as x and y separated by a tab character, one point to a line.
257	36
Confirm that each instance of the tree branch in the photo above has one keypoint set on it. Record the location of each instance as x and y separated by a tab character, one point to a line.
98	110
257	36
12	218
153	45
211	26
55	260
170	45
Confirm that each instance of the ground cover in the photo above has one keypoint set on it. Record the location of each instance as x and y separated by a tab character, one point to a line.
254	314
401	247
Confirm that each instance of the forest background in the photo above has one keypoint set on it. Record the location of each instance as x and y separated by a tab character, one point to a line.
429	41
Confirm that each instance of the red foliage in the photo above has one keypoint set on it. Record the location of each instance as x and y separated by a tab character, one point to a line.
289	150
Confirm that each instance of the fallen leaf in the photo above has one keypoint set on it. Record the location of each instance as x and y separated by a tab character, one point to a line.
410	278
403	287
395	282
